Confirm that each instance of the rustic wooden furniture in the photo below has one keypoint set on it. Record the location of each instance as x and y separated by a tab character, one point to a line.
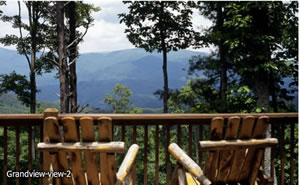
235	153
73	146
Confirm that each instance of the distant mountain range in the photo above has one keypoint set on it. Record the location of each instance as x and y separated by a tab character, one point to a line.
97	73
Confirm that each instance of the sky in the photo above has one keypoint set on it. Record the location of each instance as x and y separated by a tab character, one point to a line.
106	34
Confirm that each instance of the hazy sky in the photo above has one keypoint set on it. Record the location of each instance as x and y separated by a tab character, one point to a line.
106	34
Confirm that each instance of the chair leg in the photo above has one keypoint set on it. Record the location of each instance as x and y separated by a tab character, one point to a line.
174	179
128	180
181	177
263	179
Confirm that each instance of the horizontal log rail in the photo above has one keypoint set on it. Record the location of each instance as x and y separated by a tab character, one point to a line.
145	119
184	129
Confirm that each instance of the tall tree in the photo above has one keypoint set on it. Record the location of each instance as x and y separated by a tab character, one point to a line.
215	35
30	43
160	26
78	16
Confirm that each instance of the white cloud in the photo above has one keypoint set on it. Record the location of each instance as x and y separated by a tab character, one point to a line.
105	36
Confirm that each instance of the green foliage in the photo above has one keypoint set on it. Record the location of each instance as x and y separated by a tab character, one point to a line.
149	21
18	84
199	96
119	100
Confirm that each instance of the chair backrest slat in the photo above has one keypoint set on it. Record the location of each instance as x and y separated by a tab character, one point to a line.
88	135
225	159
239	156
59	160
216	133
71	135
107	160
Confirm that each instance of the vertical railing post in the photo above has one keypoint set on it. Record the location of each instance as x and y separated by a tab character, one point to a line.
133	170
168	165
5	155
292	152
123	134
179	135
17	153
282	126
30	153
272	152
157	155
200	138
41	153
145	155
46	156
190	152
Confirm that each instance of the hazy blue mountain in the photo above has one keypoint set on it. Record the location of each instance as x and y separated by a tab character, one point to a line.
98	72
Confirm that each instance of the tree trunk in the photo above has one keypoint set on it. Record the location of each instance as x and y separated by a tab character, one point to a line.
33	20
32	8
72	57
223	66
164	67
63	72
166	85
273	92
32	93
261	86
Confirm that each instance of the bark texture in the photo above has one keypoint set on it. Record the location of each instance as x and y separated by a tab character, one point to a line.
72	57
223	66
63	72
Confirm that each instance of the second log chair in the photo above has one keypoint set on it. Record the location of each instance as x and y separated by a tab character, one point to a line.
235	154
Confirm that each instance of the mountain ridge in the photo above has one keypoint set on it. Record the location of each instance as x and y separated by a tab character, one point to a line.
98	72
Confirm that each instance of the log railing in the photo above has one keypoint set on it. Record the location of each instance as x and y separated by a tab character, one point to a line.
152	132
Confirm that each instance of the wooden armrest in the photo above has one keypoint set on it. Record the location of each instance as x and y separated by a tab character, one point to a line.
188	163
109	147
237	144
127	163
